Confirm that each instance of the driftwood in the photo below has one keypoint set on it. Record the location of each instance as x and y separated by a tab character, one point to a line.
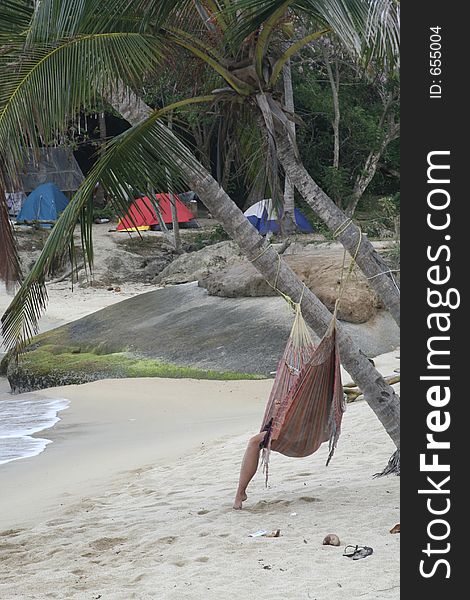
353	391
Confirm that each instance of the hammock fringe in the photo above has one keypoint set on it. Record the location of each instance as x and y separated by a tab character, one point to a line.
393	466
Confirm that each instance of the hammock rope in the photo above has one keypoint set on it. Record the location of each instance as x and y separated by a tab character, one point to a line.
306	404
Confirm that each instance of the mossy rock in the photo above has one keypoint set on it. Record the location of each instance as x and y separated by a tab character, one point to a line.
52	366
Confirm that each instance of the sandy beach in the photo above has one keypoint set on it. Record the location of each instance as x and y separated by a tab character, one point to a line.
133	497
133	500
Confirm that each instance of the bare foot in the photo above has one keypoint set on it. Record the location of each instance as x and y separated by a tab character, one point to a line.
237	505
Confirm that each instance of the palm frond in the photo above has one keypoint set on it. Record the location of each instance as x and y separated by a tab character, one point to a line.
49	85
265	35
15	16
291	51
364	27
56	19
135	163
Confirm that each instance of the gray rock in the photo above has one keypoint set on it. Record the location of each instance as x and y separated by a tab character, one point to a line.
191	266
237	281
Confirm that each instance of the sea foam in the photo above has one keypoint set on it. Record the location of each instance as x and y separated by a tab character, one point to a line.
20	418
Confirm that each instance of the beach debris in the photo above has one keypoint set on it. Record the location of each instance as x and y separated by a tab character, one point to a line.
395	529
331	540
357	552
259	533
353	392
266	533
275	533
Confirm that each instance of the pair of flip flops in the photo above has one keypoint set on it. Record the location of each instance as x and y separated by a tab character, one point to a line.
357	552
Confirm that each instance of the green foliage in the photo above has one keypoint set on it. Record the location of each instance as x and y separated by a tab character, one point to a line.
336	182
378	217
105	212
361	109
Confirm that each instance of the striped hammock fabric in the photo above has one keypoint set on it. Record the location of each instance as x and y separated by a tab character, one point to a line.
306	404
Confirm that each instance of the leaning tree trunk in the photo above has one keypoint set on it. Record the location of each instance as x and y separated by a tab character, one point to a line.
367	258
380	396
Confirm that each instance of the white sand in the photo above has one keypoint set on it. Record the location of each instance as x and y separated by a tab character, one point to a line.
133	500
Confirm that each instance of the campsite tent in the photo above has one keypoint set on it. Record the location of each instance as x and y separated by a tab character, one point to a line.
142	216
45	203
263	216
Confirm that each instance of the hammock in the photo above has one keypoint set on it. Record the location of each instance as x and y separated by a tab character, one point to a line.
306	404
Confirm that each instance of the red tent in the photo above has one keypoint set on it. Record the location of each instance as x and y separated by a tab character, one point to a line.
141	215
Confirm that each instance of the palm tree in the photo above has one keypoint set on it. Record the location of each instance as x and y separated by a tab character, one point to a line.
70	53
252	58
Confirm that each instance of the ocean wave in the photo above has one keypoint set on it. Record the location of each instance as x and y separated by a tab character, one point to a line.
20	418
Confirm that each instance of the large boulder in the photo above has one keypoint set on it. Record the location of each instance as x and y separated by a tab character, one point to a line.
319	269
178	331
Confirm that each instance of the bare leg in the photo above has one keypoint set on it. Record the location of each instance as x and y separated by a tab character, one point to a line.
248	468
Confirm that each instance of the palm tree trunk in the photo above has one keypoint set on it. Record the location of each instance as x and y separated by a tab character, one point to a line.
10	270
380	396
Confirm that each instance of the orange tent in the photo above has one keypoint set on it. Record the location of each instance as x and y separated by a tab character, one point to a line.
142	216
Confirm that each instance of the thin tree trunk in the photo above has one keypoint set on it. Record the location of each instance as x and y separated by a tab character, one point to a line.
288	225
380	396
334	84
370	168
229	156
163	228
10	270
174	212
99	196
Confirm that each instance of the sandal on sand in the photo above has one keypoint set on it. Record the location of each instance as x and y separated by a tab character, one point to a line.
357	552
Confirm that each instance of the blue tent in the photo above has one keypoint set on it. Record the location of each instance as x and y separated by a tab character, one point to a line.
45	203
263	216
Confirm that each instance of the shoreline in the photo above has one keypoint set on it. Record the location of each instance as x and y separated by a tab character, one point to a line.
104	433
